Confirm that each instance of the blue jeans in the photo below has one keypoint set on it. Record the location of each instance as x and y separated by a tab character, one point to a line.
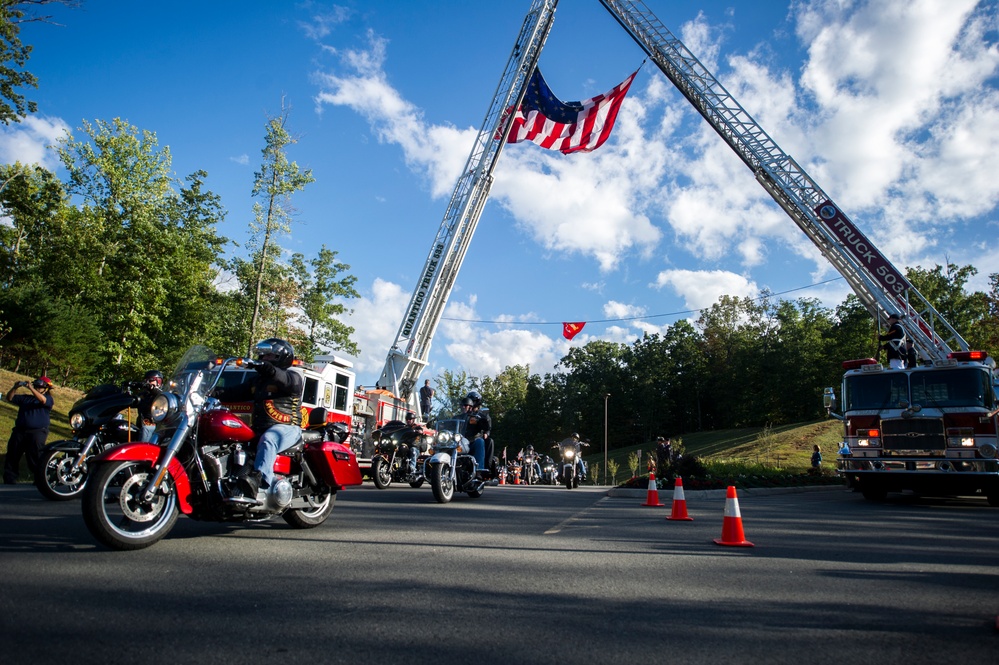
479	453
276	439
414	453
147	433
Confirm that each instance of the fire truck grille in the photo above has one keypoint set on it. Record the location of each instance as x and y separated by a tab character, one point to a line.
913	434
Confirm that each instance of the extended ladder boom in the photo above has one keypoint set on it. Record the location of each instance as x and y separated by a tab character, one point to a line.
408	355
873	278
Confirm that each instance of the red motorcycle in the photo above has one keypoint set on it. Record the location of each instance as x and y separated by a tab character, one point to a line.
136	491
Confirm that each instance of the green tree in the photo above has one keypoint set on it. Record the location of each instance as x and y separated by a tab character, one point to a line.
451	388
274	184
135	252
32	199
945	288
322	289
14	56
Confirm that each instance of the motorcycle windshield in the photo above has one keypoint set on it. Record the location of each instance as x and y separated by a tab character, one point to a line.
199	361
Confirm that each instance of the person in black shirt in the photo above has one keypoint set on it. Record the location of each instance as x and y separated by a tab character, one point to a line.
277	409
31	428
477	426
894	340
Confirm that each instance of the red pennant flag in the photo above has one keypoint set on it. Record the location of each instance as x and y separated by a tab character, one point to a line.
570	330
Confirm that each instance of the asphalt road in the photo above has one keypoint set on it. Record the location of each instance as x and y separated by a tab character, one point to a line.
522	575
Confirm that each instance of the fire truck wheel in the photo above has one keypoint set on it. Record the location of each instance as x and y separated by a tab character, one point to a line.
873	491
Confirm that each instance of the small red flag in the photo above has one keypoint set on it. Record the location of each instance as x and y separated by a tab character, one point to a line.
570	330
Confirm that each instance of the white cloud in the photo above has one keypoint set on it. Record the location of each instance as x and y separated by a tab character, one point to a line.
375	319
702	288
28	141
481	351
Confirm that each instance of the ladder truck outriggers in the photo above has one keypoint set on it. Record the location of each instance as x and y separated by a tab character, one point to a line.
930	428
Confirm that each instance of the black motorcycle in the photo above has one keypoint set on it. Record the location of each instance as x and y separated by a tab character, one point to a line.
98	424
390	460
573	469
549	471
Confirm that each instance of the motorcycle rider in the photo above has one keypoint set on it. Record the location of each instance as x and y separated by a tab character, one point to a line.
413	441
477	427
574	440
152	384
277	409
530	457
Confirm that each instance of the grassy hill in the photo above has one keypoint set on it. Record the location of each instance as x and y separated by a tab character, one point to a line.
787	447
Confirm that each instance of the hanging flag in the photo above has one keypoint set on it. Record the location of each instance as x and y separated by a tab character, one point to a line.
566	126
570	330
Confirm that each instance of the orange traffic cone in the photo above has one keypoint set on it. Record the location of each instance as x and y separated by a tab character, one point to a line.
516	475
732	525
652	497
679	510
502	475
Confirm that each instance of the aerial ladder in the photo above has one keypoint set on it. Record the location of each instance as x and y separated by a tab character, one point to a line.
877	283
408	355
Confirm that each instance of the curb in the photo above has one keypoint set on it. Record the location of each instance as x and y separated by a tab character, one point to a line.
634	493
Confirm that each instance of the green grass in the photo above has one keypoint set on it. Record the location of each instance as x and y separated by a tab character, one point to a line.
758	451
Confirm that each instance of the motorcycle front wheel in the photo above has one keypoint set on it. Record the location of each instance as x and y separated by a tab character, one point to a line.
442	483
115	512
568	482
381	473
307	518
58	477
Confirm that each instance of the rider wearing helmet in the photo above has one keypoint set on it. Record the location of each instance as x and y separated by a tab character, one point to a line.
277	409
477	427
152	384
413	440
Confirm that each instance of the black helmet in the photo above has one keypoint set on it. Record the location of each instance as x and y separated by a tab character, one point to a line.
410	416
474	398
282	351
153	375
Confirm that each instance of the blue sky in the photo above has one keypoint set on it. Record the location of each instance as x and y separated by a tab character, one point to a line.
891	105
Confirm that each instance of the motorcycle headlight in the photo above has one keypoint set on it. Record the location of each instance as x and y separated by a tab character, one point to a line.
163	405
77	421
570	453
445	437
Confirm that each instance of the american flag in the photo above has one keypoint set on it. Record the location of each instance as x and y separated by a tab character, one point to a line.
566	126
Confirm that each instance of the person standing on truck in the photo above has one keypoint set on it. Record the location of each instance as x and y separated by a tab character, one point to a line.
911	357
426	394
31	427
894	340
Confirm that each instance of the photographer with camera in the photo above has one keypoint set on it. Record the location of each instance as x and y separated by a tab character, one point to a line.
31	428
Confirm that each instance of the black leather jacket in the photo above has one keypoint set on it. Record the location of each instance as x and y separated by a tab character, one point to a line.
276	395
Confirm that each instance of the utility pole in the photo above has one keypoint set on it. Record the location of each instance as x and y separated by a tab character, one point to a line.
606	397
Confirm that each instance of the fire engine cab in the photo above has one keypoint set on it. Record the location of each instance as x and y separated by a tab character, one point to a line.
931	429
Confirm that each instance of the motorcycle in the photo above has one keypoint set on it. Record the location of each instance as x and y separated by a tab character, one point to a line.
98	425
137	491
390	461
549	471
573	470
530	470
452	467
